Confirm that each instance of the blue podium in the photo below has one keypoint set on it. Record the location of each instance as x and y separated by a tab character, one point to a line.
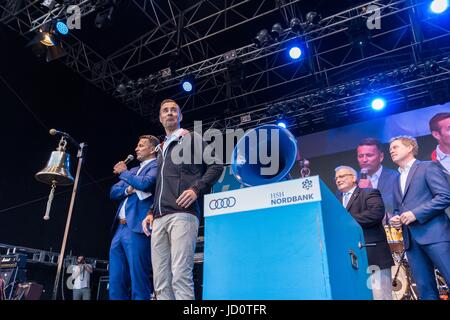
286	240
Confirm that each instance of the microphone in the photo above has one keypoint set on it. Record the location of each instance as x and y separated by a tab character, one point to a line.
363	174
54	132
129	158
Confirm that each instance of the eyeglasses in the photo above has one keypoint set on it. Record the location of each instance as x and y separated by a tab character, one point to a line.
343	176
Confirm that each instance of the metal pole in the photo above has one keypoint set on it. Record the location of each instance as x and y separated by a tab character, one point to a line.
69	217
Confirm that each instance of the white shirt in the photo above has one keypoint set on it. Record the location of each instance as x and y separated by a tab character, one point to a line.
82	277
443	158
172	137
375	177
404	175
346	196
141	194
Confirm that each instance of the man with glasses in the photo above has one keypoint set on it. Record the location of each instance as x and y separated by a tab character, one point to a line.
367	208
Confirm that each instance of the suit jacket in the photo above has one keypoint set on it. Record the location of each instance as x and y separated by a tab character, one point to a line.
136	209
386	184
367	208
427	195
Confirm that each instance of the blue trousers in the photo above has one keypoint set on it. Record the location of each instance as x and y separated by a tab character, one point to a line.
422	259
130	266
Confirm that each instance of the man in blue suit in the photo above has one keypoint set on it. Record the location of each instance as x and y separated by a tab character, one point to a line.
421	196
130	269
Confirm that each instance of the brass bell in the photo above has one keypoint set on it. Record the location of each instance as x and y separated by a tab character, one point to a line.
57	172
57	169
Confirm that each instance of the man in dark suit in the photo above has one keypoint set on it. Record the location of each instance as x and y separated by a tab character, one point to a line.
370	156
421	196
366	207
130	268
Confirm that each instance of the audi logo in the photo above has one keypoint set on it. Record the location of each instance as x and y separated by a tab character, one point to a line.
222	203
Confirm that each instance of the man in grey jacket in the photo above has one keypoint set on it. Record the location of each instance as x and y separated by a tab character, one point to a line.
184	175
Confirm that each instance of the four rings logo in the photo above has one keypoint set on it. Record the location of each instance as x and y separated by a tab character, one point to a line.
222	203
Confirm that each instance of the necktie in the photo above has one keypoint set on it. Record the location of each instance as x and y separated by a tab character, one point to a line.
346	197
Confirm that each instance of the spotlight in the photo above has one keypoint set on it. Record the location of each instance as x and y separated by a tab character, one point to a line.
378	104
130	85
141	83
187	85
62	28
262	38
296	25
50	4
313	18
282	124
295	52
439	6
277	29
121	89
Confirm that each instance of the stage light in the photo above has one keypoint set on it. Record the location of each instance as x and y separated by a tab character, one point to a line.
277	29
121	90
296	25
282	124
187	86
295	52
62	28
439	6
313	18
48	39
378	104
262	38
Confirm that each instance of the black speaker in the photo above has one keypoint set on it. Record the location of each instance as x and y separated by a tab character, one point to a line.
28	291
103	288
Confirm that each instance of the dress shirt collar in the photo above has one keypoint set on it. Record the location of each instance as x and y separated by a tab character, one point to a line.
441	155
407	167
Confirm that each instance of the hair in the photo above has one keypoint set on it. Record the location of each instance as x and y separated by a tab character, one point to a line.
154	141
434	121
371	142
347	168
167	101
407	141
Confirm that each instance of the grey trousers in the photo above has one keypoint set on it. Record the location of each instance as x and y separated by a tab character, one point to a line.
173	243
82	294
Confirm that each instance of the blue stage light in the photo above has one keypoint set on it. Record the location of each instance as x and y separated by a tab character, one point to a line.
282	124
439	6
378	104
187	86
295	52
62	28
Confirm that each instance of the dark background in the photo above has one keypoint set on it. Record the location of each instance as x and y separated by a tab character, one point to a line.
35	97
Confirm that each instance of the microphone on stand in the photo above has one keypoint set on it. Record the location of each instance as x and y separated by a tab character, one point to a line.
54	132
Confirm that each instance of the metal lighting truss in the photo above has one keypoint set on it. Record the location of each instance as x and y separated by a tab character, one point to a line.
399	41
174	29
345	100
330	56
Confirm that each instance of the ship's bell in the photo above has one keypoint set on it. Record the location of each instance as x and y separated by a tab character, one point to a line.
57	170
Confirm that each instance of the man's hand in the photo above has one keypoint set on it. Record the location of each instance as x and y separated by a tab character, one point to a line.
147	224
120	167
130	190
396	222
407	217
186	198
365	183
